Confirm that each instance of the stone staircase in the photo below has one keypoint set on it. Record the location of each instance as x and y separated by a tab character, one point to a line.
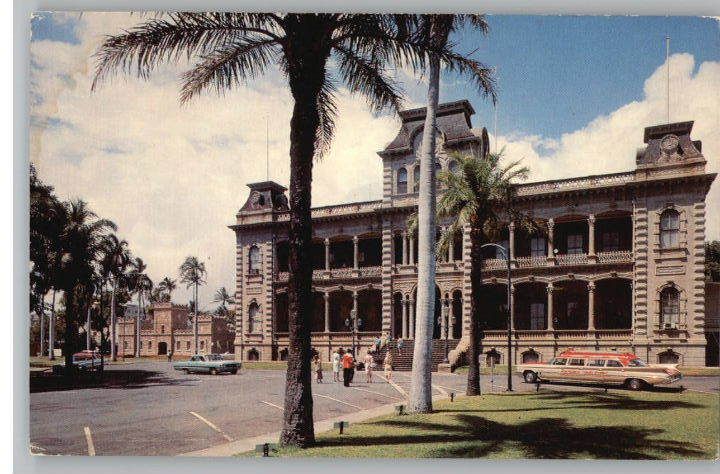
402	360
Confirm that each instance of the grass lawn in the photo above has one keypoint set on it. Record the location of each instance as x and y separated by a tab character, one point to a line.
614	425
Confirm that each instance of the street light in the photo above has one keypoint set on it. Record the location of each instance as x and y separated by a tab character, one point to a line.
506	255
353	323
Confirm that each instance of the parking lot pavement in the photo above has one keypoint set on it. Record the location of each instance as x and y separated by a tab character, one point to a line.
165	412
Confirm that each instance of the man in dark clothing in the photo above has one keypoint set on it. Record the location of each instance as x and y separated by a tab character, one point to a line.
348	364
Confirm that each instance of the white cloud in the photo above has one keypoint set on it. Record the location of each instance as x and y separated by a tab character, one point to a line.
172	177
608	144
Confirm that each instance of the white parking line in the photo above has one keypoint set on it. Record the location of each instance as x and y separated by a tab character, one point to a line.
211	425
339	401
395	386
88	437
377	393
272	405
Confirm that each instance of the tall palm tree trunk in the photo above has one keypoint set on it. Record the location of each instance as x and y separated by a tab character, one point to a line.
305	84
73	311
195	319
113	349
420	385
87	328
51	329
475	331
137	326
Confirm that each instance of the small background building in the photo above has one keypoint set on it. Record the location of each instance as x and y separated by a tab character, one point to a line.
168	326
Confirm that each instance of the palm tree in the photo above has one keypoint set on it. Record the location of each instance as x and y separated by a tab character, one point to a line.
231	48
437	29
81	243
223	297
192	273
141	285
114	264
477	197
167	285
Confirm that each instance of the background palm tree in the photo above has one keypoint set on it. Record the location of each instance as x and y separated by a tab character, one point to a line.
81	242
142	285
167	285
114	263
223	297
436	29
192	273
229	48
477	197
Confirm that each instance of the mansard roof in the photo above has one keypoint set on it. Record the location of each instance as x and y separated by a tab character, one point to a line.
669	144
453	120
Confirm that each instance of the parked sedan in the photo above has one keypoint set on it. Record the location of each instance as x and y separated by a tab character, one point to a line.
210	363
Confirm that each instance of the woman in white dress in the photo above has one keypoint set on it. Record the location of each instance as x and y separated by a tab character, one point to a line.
336	366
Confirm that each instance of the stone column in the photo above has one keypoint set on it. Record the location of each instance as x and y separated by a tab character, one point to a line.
355	252
511	241
451	250
550	243
412	250
327	254
512	307
591	306
443	317
550	289
451	318
404	318
591	236
411	319
326	295
404	248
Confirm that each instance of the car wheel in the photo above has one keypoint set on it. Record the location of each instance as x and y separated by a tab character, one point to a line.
233	371
530	376
213	371
635	384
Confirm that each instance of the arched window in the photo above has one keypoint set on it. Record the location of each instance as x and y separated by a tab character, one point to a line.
254	267
253	319
402	181
416	178
669	308
669	228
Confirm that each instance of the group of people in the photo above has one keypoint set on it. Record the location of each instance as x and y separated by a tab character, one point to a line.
346	360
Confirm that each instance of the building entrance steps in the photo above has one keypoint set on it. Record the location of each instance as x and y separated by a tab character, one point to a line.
402	359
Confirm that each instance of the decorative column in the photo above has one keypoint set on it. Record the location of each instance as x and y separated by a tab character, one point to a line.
412	250
512	307
404	247
444	315
511	241
326	295
550	243
591	237
355	252
451	249
404	318
550	289
591	306
327	255
411	318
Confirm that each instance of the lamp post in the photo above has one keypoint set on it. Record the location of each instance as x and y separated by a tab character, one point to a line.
353	323
506	255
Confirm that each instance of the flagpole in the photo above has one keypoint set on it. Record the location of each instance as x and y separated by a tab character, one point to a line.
667	60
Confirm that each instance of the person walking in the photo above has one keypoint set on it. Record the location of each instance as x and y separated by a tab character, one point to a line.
400	344
388	365
169	355
336	366
368	367
318	368
348	364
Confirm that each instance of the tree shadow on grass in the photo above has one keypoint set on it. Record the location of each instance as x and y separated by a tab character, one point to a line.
121	378
551	438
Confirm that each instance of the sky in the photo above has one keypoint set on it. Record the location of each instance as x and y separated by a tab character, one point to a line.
575	94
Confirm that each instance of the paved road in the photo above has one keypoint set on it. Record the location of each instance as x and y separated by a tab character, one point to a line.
163	412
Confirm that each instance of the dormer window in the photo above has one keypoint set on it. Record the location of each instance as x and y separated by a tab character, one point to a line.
254	266
402	181
669	228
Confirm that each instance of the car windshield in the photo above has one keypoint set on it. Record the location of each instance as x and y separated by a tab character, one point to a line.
558	361
214	357
637	363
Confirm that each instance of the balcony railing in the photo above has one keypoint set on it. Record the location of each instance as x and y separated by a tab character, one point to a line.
572	259
531	262
619	256
525	335
339	273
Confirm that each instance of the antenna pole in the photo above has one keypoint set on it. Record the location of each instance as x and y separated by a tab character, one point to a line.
667	60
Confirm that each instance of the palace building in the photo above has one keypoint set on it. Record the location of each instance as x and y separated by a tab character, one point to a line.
619	264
